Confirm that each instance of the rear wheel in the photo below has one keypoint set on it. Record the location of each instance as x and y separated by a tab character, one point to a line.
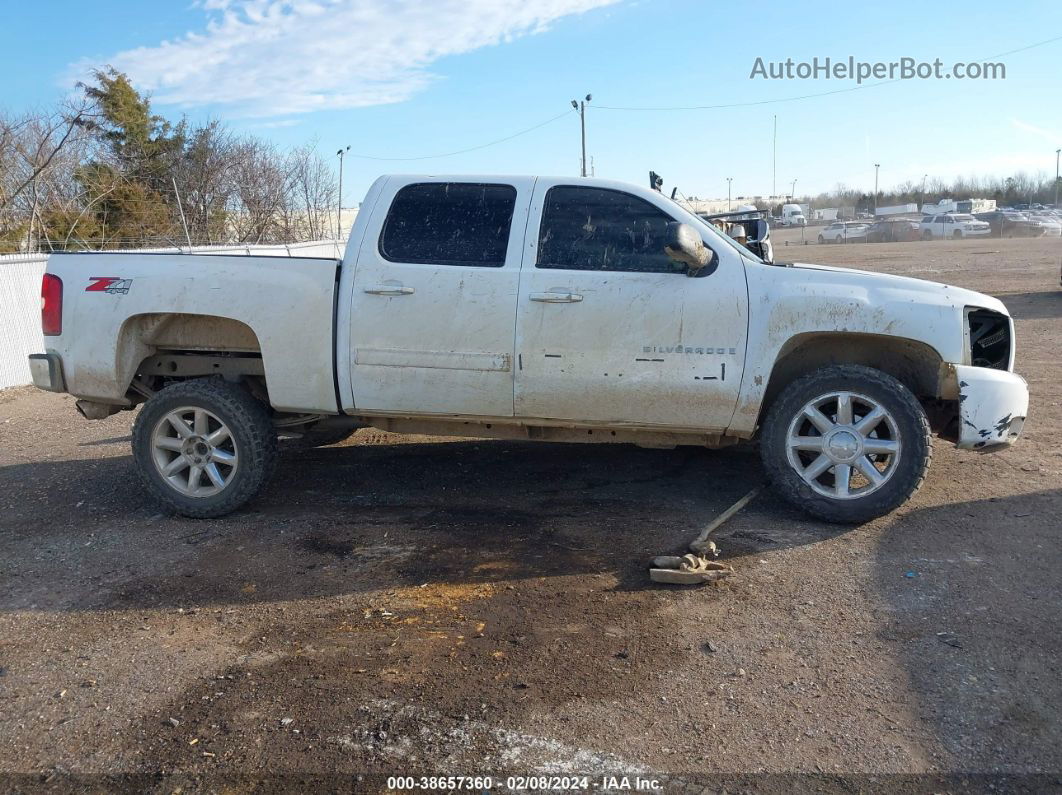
957	234
846	443
927	235
204	447
822	239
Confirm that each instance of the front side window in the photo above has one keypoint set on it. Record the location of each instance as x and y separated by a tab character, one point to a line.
449	223
598	229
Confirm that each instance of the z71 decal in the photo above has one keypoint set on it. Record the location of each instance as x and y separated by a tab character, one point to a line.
115	285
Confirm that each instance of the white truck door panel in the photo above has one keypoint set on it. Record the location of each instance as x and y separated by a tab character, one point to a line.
434	297
640	343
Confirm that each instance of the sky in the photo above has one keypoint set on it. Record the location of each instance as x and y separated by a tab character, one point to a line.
402	79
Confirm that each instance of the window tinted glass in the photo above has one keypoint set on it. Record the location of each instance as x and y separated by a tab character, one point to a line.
449	223
602	230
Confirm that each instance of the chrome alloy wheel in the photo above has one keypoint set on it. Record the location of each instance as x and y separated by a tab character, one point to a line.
844	445
194	452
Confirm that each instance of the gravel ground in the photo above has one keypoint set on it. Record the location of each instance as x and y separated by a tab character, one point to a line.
407	605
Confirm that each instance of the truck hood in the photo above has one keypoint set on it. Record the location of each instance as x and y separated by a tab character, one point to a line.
931	292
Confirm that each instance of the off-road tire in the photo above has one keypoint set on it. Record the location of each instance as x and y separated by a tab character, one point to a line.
911	421
247	419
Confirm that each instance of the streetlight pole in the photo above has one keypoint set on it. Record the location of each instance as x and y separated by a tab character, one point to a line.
339	209
792	194
876	167
1057	153
581	107
728	181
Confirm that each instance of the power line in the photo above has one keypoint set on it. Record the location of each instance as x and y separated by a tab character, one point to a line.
471	148
815	95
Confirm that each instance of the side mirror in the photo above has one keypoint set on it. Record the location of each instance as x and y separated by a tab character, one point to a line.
684	245
759	239
757	230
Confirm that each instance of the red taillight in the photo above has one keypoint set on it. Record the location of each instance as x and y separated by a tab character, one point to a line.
51	305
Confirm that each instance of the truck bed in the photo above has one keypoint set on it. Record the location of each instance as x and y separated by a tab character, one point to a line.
119	308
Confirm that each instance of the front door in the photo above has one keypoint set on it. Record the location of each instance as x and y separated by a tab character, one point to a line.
434	298
610	330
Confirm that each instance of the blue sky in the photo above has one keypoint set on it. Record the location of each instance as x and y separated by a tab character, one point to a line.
396	78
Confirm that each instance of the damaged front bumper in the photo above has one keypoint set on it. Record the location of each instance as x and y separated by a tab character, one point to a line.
993	405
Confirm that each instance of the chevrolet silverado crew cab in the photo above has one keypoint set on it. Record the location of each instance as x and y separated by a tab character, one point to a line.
554	309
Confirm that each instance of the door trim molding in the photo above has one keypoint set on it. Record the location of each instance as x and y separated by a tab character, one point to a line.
437	360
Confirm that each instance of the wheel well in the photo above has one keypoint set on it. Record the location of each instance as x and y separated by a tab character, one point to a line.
154	349
914	364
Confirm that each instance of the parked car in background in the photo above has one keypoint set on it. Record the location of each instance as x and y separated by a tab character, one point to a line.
894	230
1011	224
953	225
1052	226
844	232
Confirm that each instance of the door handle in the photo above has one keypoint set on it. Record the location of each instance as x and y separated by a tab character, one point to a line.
389	289
556	298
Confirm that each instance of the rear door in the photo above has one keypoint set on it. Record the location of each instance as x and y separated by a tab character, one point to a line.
610	330
434	297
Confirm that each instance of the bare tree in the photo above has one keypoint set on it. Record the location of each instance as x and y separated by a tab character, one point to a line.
314	193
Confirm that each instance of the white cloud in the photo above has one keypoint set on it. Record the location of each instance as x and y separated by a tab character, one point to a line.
275	57
269	125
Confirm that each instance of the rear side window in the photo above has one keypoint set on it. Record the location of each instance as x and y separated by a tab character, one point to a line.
449	223
597	229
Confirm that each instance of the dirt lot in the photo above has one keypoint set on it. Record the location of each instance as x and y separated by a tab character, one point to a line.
416	605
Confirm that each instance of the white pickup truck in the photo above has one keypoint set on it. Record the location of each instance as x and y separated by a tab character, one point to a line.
555	309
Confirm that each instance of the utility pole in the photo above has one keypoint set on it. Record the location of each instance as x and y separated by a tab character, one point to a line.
792	193
581	107
923	194
339	209
876	167
728	181
774	159
1057	153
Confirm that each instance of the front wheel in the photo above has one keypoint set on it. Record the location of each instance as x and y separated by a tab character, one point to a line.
822	239
204	447
846	443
